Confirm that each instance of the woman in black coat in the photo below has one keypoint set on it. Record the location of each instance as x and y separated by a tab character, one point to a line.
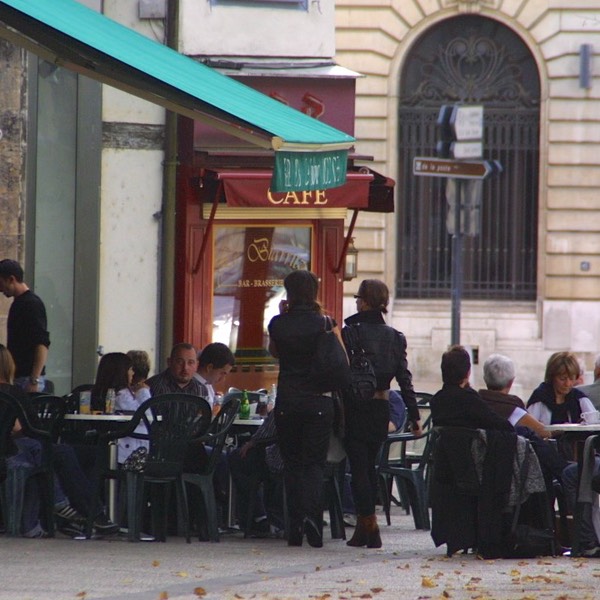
366	423
303	415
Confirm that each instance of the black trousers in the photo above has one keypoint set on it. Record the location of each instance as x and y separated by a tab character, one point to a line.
366	429
303	429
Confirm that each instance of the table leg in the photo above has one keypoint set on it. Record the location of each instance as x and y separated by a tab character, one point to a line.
112	482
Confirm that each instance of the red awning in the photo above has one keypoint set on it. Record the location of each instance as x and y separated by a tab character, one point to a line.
363	190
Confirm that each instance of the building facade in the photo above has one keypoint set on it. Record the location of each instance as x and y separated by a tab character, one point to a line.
532	265
107	203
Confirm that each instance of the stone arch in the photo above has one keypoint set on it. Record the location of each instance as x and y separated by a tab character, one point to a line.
470	59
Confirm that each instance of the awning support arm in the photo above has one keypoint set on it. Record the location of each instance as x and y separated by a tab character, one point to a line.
347	240
211	219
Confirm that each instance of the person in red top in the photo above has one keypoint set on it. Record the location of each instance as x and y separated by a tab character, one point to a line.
27	328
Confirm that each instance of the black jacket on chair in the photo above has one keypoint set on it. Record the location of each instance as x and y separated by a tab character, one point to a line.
466	510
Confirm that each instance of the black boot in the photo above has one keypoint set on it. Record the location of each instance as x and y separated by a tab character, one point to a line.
314	533
295	534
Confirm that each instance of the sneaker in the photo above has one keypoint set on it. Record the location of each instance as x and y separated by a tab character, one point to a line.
103	525
72	530
593	552
36	533
69	514
349	520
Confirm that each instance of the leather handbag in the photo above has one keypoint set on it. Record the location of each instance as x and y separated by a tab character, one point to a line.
329	369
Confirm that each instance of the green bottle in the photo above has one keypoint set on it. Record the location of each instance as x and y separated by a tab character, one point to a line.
244	406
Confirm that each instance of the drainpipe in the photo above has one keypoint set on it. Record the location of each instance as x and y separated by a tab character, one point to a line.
167	267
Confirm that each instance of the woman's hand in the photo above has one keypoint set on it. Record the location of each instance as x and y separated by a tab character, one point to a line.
415	428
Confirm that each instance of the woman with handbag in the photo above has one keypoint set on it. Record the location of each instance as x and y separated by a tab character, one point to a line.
303	411
367	420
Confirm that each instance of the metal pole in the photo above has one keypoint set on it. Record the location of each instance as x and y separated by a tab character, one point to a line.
457	272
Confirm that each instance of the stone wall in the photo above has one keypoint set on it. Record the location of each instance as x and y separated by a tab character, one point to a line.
12	158
374	39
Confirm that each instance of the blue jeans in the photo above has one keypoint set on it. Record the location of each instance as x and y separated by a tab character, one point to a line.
570	480
23	381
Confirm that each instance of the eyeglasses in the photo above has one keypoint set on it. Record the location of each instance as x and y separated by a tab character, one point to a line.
357	297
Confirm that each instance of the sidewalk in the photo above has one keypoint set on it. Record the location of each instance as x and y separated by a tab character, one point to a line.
407	567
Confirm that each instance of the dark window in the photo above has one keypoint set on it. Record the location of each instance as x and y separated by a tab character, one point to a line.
471	60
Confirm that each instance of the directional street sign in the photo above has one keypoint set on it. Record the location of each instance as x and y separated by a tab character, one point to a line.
458	169
468	149
467	122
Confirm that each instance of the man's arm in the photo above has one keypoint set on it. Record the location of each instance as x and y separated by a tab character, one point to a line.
40	355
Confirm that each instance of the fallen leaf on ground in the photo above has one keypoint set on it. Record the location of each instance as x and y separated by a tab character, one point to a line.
156	563
428	582
81	595
199	591
163	596
181	574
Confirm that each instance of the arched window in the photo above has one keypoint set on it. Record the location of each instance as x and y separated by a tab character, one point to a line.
471	60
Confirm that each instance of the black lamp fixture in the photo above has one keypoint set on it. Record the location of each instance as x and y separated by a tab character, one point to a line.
351	262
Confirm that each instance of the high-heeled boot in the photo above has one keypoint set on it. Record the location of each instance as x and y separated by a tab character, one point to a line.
372	532
359	537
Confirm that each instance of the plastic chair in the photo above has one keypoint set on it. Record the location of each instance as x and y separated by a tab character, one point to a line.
51	412
172	422
12	486
215	439
409	476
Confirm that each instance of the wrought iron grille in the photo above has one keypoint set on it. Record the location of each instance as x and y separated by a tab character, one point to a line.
471	59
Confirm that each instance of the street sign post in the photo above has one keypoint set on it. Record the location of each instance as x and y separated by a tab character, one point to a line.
460	135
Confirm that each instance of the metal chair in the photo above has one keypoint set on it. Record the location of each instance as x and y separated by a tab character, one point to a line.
13	479
172	422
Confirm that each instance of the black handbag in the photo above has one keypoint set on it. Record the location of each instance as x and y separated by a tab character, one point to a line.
329	369
363	381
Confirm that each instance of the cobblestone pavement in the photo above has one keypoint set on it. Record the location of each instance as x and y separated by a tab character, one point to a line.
407	567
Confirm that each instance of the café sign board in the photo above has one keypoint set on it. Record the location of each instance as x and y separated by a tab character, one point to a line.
307	171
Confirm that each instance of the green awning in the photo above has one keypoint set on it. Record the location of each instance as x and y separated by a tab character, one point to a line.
73	36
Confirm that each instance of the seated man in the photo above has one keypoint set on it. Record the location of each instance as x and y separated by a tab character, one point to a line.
214	364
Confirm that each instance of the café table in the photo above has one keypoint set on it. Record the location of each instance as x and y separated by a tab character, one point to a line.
576	433
101	422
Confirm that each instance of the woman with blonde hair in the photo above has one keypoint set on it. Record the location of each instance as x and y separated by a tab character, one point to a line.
556	399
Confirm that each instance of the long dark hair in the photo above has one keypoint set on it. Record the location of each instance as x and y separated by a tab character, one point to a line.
301	288
112	373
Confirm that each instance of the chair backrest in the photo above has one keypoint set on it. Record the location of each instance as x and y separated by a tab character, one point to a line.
414	449
10	409
171	422
51	412
216	435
